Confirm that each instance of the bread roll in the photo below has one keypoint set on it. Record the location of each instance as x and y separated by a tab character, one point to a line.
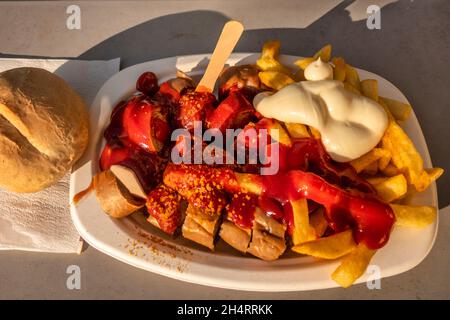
43	129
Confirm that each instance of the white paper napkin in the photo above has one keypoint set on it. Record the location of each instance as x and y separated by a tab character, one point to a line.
41	221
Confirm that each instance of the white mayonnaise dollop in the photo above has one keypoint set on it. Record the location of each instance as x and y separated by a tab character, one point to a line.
350	125
319	70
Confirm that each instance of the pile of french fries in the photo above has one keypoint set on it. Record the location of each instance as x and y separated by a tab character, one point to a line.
394	168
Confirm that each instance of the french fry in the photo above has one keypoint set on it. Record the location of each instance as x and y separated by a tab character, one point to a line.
302	230
351	88
269	58
278	133
423	182
386	109
390	170
414	216
369	88
324	53
405	156
391	188
384	161
269	64
318	222
401	111
275	79
434	173
371	169
370	157
303	63
339	69
297	130
314	132
299	75
271	49
352	77
332	247
353	266
427	177
375	180
247	184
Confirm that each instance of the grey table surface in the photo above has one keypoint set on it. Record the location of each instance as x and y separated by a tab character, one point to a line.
412	50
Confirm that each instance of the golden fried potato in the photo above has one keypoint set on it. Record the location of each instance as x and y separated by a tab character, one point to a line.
332	247
405	156
390	188
299	75
318	222
414	216
314	132
247	183
371	169
375	180
324	53
384	161
302	230
427	177
303	63
401	111
352	77
434	173
297	130
278	133
423	182
369	88
386	109
390	170
339	69
269	64
275	79
353	266
271	49
269	58
370	157
351	88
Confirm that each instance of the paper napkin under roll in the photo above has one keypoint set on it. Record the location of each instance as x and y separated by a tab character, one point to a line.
41	221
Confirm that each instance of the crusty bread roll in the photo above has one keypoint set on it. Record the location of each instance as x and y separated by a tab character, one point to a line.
43	129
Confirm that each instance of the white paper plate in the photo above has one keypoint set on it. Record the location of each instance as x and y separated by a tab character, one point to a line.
137	243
